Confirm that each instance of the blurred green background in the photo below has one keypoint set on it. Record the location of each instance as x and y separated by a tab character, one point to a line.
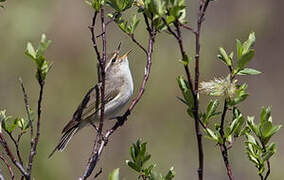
159	118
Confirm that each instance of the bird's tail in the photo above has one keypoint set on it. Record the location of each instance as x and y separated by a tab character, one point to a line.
65	140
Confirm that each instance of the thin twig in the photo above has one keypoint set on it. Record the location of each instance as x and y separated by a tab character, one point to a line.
137	43
202	9
103	61
267	162
223	146
11	156
16	143
95	46
34	147
186	27
8	166
101	141
170	29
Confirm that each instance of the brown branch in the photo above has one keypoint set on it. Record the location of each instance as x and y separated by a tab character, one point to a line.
202	9
223	146
268	171
16	143
186	27
194	89
8	166
11	156
34	147
137	43
267	162
95	46
101	141
27	175
170	29
103	61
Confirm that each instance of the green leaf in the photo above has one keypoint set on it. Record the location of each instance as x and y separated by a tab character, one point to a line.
265	128
157	7
239	49
134	24
185	89
248	71
240	95
265	115
114	175
190	112
224	57
252	126
171	174
211	110
133	166
251	139
211	134
95	4
24	123
246	58
43	45
30	51
247	45
268	134
185	61
10	125
269	152
236	124
38	58
170	19
120	5
7	123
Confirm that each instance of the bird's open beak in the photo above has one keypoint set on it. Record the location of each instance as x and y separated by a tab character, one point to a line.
125	55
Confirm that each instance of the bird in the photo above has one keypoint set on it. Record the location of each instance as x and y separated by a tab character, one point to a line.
118	90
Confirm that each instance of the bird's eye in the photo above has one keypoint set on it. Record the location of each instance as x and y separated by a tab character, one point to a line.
113	60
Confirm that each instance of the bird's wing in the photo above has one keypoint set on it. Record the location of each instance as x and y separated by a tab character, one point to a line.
90	105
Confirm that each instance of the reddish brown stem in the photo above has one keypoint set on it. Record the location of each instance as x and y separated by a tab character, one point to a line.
34	147
8	166
223	146
137	43
11	156
100	141
16	143
95	46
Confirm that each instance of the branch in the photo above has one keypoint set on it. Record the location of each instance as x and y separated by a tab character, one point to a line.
169	28
9	168
267	162
137	43
34	147
16	143
11	156
27	106
95	46
223	146
101	141
187	27
202	10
